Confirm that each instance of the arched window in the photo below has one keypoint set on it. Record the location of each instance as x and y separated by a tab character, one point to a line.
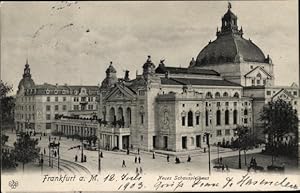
209	95
258	75
227	117
225	94
190	119
236	95
218	117
183	118
217	95
206	117
197	114
235	115
120	113
245	112
128	113
112	115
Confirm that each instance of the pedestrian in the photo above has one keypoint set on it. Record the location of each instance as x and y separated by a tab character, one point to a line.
168	157
137	170
84	158
123	164
127	151
141	171
101	154
138	151
221	160
222	167
135	159
76	158
139	159
254	163
189	158
153	155
40	138
177	161
227	168
44	151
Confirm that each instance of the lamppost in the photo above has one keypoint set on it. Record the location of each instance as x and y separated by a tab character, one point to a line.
99	156
207	135
238	140
83	133
218	153
52	146
42	163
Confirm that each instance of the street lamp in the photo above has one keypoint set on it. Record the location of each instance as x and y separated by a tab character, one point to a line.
238	140
42	163
207	135
83	132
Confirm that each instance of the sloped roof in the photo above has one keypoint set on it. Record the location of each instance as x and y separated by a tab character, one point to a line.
192	81
176	70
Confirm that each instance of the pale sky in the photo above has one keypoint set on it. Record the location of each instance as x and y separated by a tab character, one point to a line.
74	44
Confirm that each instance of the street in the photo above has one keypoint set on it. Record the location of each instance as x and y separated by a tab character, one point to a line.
112	160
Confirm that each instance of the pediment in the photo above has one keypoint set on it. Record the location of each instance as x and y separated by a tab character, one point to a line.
284	95
258	71
120	93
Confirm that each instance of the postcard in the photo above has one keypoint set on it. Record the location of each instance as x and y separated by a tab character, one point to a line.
156	96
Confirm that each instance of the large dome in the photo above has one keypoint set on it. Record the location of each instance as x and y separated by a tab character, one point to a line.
230	46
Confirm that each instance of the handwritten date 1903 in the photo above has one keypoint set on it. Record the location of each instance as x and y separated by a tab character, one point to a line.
131	185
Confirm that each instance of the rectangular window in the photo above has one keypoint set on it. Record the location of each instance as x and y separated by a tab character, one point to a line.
183	121
48	99
142	138
268	92
56	107
64	98
32	116
90	107
142	119
235	104
83	99
295	102
206	104
64	107
76	107
141	92
48	116
218	104
258	82
264	81
48	108
227	132
219	132
48	125
197	119
56	99
245	120
253	82
227	104
295	93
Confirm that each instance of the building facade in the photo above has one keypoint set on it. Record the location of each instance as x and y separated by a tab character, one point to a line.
164	108
38	106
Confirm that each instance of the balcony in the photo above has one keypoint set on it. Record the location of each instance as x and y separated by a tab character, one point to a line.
115	130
